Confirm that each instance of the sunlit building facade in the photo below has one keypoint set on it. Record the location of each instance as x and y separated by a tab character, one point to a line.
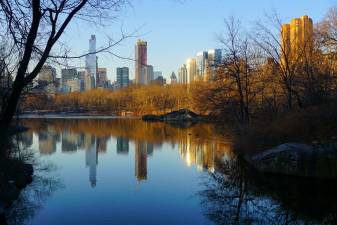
201	60
297	40
182	74
191	68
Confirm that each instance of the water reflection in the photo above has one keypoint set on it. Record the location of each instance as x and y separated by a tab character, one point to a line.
92	136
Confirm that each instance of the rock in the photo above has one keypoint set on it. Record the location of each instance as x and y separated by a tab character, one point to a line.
180	115
296	159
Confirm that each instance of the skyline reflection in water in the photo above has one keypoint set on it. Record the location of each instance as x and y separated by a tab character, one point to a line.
92	137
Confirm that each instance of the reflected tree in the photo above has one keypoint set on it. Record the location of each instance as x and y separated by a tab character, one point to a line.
235	194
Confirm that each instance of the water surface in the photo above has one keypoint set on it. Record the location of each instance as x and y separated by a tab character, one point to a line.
130	172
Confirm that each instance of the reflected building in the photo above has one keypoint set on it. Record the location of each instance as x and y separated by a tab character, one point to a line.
26	139
47	144
204	155
141	160
101	144
122	146
91	159
69	142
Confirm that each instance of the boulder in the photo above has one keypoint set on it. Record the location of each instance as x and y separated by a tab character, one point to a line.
179	115
297	159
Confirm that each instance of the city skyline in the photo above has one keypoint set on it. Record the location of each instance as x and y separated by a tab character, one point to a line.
156	26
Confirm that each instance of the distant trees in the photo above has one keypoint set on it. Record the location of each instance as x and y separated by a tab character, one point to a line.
138	100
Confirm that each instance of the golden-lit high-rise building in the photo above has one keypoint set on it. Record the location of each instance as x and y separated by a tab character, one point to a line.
297	40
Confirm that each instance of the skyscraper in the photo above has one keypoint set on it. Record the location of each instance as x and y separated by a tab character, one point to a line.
201	60
122	77
148	74
182	74
91	60
173	78
88	81
101	77
141	61
47	78
191	67
213	61
47	73
68	74
297	39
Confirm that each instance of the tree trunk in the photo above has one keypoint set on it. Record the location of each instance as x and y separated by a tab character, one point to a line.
7	116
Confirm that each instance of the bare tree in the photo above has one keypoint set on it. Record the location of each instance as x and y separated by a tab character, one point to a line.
32	29
237	65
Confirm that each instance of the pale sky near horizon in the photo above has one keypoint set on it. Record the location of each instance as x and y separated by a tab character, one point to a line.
178	29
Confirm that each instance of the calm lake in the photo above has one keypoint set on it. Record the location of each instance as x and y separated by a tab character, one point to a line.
131	172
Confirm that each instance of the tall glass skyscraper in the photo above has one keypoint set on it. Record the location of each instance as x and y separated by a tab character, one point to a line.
213	62
201	63
91	60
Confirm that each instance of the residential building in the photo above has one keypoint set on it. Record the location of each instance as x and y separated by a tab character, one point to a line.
182	74
173	78
191	68
101	77
297	40
68	74
122	77
148	74
201	61
141	61
74	85
47	79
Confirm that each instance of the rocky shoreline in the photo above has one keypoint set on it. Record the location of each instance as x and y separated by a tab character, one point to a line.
296	159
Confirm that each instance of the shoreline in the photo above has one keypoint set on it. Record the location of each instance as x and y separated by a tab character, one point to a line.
73	116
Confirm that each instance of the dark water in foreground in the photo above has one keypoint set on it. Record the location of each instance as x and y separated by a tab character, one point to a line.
130	172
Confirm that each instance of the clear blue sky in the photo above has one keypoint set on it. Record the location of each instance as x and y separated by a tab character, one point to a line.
178	29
